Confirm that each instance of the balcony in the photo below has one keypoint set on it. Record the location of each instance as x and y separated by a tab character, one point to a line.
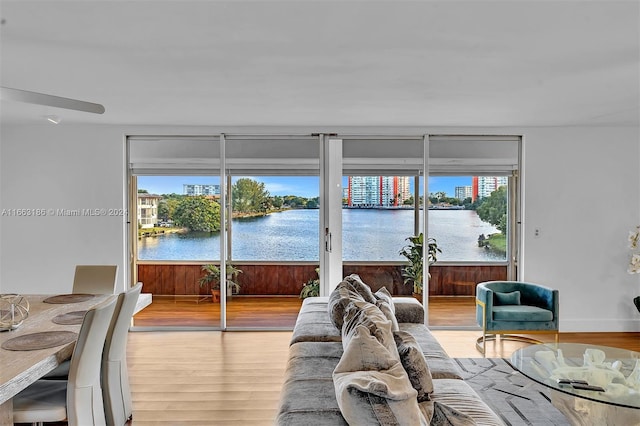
269	296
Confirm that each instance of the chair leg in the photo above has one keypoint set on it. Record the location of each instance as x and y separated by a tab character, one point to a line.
482	341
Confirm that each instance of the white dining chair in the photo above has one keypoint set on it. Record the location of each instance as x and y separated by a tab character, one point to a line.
95	279
77	400
115	377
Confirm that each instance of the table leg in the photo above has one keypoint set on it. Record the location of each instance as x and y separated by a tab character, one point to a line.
6	412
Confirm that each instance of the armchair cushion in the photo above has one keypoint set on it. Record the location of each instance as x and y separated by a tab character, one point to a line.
521	313
511	298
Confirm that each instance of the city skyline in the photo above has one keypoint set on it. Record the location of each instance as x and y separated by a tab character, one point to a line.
303	186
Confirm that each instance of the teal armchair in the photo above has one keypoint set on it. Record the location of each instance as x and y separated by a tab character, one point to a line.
507	307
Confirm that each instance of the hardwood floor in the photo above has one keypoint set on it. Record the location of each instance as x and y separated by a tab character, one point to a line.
274	312
242	311
235	378
206	377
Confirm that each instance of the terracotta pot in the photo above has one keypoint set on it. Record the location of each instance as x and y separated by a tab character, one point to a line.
215	296
418	296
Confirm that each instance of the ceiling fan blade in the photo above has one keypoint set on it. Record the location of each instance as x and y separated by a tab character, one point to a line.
49	100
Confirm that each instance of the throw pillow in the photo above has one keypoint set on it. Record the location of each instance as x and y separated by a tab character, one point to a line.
414	364
360	287
512	298
363	314
386	310
445	415
339	299
371	386
383	294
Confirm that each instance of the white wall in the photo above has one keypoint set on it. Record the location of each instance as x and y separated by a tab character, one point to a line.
51	168
581	189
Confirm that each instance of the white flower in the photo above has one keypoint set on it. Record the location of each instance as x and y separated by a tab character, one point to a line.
634	237
634	240
634	265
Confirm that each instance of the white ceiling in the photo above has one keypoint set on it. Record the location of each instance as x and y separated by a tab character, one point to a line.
326	63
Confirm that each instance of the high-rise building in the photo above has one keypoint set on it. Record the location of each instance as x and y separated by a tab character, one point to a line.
464	192
483	186
377	191
198	189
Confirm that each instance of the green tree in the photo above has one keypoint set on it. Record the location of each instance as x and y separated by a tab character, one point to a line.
277	201
163	210
493	209
198	214
249	196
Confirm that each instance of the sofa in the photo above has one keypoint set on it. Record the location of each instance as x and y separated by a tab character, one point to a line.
362	358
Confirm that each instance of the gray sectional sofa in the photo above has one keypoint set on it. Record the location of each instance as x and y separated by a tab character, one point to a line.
335	376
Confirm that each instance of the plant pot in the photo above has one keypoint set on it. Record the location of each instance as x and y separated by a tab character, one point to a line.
215	296
418	296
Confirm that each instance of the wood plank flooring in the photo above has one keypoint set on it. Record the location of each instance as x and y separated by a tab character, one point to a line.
242	311
235	378
274	312
206	377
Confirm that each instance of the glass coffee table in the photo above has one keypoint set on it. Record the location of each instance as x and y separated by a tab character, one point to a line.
591	384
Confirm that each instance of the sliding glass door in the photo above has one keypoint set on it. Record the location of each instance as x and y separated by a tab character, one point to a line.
272	213
380	211
473	210
273	234
175	228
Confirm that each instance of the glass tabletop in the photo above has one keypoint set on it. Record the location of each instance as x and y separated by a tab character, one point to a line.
598	373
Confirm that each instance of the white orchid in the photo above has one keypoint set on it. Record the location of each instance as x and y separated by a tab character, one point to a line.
634	240
634	237
634	264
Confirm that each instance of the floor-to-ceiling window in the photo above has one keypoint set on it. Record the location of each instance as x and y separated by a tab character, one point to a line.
473	210
274	232
272	200
379	210
175	227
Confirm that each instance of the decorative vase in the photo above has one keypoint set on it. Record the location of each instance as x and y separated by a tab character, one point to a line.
636	301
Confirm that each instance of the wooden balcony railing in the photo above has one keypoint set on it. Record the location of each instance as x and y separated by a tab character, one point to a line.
287	279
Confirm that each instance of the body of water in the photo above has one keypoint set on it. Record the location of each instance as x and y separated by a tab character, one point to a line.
368	235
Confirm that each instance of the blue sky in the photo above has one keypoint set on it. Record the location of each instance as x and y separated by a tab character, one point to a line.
304	186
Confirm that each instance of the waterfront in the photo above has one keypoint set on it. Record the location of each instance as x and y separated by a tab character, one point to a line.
292	235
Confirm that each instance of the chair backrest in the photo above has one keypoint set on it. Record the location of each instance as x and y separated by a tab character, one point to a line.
115	379
84	393
95	279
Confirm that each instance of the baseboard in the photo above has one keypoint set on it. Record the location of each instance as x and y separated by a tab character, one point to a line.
599	325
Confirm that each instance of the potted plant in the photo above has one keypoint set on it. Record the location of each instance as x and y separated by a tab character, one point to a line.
413	252
311	287
212	276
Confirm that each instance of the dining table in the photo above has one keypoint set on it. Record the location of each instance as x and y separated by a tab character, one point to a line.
53	321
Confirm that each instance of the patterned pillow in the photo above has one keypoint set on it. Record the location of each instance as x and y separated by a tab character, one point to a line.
414	364
339	299
360	287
